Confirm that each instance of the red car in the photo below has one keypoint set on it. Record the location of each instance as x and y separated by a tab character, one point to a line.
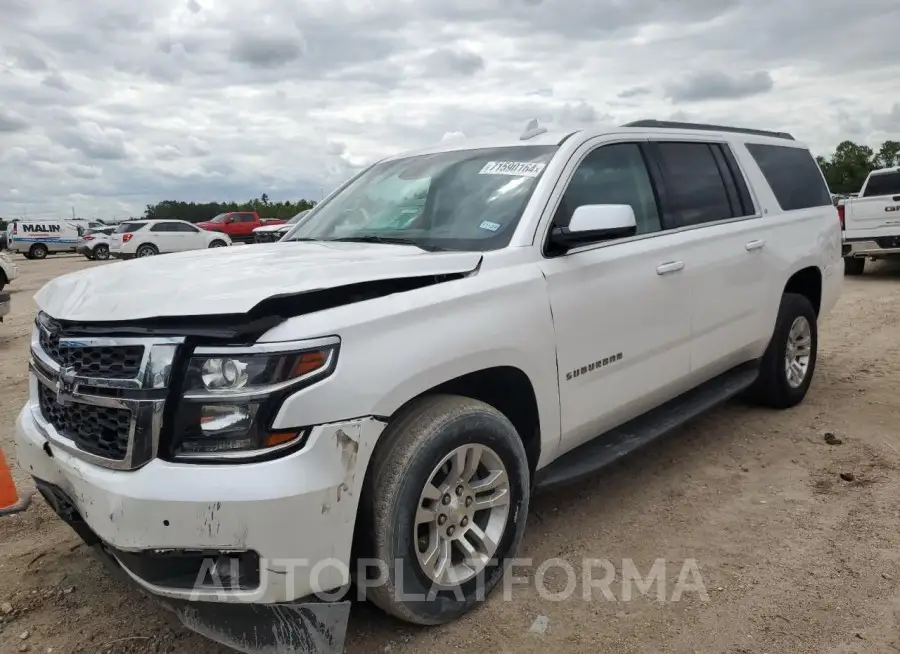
239	225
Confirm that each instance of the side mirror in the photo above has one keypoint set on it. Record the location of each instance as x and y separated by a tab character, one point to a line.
595	222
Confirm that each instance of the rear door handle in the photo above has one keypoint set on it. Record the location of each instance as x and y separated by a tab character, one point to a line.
755	245
670	267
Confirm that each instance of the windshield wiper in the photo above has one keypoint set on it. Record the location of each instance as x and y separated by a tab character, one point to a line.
389	240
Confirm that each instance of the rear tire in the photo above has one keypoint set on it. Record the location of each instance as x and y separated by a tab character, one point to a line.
421	496
146	250
38	251
789	362
854	265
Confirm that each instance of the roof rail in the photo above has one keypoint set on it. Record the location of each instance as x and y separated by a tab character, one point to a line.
711	128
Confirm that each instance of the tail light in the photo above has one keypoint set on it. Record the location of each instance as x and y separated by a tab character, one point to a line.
840	209
88	238
126	237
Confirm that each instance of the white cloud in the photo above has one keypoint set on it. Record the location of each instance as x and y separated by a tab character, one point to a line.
112	106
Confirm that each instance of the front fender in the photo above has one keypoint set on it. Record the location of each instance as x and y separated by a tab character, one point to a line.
397	347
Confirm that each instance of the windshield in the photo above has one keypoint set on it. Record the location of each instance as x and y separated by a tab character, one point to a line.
463	200
220	218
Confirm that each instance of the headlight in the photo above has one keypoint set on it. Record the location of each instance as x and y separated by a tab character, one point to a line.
232	394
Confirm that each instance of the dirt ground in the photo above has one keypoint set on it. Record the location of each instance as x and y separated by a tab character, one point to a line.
797	541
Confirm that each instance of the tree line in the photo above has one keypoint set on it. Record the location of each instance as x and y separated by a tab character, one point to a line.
198	212
847	169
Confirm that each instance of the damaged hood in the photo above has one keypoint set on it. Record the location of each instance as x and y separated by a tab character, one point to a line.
233	279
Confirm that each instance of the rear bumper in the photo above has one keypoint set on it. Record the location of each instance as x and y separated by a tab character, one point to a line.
4	304
84	250
868	249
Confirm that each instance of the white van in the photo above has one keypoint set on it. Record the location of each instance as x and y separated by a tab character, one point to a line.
36	239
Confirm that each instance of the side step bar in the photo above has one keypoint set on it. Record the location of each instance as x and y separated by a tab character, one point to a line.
615	444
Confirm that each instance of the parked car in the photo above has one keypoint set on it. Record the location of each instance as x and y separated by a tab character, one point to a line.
95	243
8	270
871	221
395	392
239	225
37	239
146	238
272	233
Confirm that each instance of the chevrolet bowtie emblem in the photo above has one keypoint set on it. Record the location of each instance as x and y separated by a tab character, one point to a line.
65	384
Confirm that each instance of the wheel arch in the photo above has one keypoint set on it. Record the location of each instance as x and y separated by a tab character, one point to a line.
508	389
808	283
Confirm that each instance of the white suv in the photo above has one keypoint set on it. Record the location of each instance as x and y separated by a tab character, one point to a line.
448	331
146	238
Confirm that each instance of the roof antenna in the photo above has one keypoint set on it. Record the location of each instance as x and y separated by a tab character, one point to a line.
532	129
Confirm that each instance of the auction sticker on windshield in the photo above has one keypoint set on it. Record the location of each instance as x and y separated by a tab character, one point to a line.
514	168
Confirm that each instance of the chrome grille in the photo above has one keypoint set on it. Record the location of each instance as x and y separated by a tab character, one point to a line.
98	430
113	362
100	398
268	237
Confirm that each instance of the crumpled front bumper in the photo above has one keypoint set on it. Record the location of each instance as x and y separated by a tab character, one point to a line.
301	627
291	514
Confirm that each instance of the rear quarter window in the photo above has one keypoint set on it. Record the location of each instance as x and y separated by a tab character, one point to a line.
793	175
129	227
883	184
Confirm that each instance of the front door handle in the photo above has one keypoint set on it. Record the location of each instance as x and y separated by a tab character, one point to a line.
670	267
755	245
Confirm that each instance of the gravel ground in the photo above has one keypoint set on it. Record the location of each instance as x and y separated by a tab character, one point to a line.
795	538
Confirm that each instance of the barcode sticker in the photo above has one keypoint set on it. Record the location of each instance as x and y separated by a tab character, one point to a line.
512	168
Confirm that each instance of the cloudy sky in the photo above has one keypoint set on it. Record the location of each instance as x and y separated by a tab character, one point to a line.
108	105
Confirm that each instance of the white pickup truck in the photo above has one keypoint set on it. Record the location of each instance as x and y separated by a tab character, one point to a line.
871	221
378	397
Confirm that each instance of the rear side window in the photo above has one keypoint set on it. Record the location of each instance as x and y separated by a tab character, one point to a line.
696	191
883	184
793	175
125	228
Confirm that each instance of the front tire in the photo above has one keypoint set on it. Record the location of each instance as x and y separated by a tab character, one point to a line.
444	507
218	243
100	252
854	265
789	362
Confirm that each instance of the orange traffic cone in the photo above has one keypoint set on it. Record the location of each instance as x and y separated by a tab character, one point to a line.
9	498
